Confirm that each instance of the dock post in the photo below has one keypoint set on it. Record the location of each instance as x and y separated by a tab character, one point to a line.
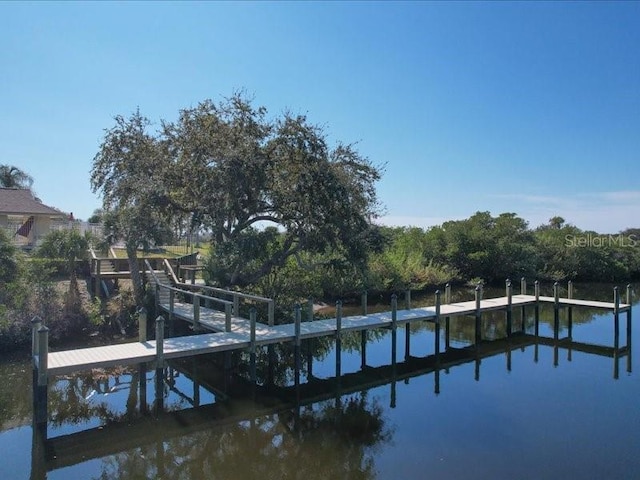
227	317
160	342
629	300
36	323
252	344
196	311
296	344
172	302
447	320
509	292
40	394
365	302
98	279
437	326
338	340
523	310
616	332
616	319
157	299
363	334
142	324
271	309
310	309
407	329
570	310
159	383
537	308
478	292
556	322
394	327
236	305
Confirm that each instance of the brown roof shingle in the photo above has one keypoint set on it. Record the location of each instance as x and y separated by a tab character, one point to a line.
18	201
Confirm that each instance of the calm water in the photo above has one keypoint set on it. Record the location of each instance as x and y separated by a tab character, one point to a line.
509	409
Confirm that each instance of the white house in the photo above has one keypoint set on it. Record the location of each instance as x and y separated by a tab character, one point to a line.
25	218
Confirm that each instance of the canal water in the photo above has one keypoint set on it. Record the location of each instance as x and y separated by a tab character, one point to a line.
516	406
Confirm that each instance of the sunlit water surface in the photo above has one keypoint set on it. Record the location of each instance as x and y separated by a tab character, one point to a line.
524	411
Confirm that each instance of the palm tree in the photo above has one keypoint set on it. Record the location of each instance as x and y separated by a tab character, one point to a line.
13	177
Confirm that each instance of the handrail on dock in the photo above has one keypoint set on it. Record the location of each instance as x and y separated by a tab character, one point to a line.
236	296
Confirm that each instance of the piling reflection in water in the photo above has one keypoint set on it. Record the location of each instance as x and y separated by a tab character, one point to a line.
275	402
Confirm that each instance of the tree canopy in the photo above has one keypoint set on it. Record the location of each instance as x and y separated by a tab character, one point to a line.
13	177
127	171
230	169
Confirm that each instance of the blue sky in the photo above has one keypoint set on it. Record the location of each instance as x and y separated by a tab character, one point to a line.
532	108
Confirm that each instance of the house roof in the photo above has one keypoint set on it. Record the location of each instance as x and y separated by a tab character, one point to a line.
20	201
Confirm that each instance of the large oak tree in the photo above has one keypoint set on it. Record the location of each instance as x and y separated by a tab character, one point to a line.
231	170
238	171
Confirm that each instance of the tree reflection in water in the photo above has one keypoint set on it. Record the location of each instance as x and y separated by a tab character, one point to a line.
332	439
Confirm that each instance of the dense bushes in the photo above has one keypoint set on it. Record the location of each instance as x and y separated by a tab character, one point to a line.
481	247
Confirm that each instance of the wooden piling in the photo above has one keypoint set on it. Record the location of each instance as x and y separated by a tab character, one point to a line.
271	309
447	320
296	349
43	354
338	339
196	312
310	309
227	317
42	377
556	320
478	316
364	302
437	325
297	315
509	293
142	324
363	333
407	299
394	327
159	342
523	286
537	309
252	345
36	323
629	302
616	319
172	302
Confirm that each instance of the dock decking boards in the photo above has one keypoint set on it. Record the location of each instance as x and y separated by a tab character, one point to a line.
239	337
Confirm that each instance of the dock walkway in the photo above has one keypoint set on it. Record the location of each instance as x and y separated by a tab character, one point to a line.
239	335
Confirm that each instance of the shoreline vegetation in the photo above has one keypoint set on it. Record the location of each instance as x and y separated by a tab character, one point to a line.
481	248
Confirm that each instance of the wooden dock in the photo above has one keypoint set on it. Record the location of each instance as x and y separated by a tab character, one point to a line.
236	333
232	332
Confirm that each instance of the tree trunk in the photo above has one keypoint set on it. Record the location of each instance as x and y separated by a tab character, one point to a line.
136	278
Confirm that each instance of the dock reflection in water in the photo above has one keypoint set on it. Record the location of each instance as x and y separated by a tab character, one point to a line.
202	420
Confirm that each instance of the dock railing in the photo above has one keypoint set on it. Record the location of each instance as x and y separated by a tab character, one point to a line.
235	298
197	300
